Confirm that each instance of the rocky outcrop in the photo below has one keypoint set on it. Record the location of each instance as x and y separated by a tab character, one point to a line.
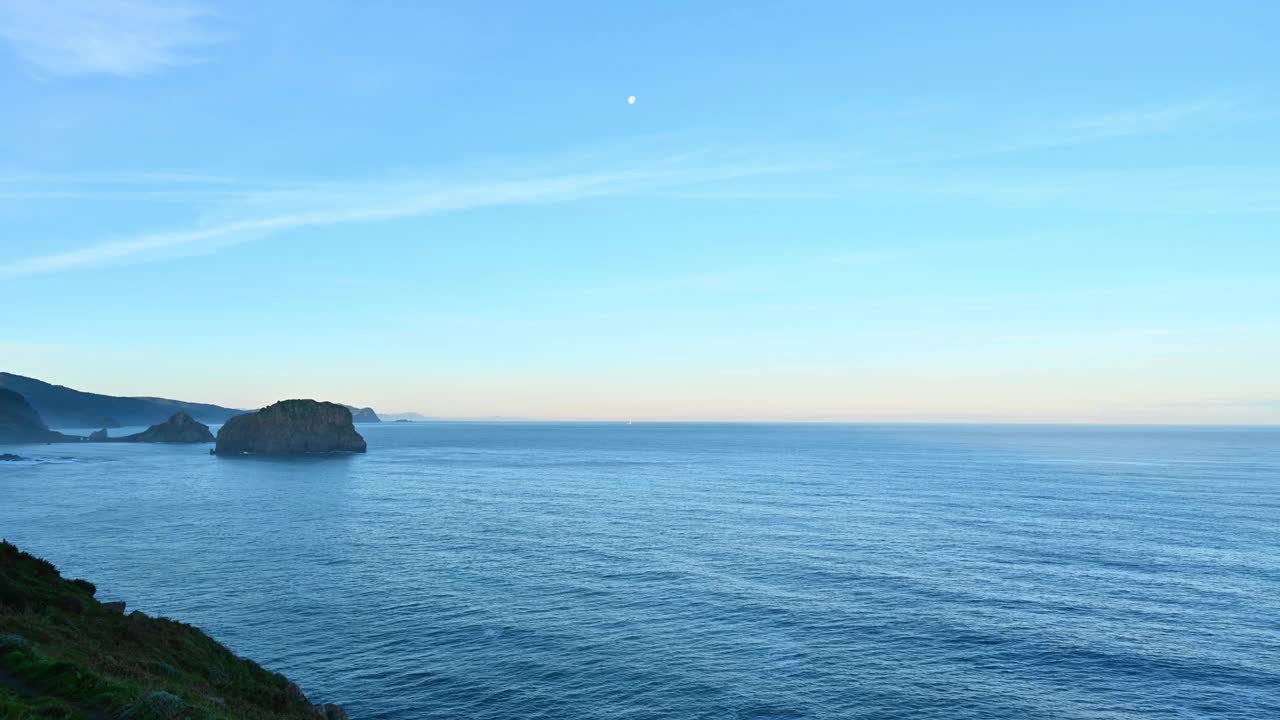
329	711
10	457
181	428
291	427
20	423
99	435
363	415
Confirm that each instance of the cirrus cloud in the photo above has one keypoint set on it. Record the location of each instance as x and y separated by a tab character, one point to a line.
103	37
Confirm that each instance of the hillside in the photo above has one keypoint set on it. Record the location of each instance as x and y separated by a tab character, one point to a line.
64	654
63	407
363	415
20	423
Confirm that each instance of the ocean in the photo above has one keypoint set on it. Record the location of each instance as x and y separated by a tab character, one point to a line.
690	571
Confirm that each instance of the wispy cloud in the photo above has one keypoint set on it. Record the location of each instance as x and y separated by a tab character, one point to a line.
327	204
111	37
228	210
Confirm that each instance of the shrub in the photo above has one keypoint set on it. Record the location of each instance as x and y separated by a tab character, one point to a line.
158	705
86	586
160	667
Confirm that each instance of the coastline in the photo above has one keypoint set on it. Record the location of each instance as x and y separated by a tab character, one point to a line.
66	654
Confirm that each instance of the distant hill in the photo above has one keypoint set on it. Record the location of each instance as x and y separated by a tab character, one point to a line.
20	423
408	416
63	407
363	415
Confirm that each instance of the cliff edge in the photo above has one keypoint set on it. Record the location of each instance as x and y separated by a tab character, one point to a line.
64	654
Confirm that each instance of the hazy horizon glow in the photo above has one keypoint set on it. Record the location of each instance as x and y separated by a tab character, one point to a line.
840	214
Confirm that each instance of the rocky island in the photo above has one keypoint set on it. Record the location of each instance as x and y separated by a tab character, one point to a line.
291	427
181	428
20	423
64	654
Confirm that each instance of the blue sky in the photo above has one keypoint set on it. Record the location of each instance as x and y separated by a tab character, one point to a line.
814	211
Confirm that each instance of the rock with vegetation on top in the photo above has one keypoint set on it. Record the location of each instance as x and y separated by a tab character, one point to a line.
291	427
20	423
181	428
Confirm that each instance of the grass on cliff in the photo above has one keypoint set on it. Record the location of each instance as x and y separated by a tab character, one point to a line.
63	654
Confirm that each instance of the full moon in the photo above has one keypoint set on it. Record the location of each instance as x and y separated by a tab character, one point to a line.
631	100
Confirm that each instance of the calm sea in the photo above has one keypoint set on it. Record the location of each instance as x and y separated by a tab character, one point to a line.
593	571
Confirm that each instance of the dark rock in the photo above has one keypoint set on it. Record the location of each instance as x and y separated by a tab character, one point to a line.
20	423
294	693
10	457
291	427
363	415
99	436
117	606
181	428
329	711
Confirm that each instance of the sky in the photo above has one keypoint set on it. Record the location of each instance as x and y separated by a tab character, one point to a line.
843	211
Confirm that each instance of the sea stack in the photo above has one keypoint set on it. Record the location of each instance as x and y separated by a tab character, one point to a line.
291	427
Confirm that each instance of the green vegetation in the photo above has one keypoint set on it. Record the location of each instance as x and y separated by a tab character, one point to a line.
63	654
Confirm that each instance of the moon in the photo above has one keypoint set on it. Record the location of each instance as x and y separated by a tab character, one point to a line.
631	100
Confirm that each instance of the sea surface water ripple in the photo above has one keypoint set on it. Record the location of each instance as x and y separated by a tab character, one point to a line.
689	571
